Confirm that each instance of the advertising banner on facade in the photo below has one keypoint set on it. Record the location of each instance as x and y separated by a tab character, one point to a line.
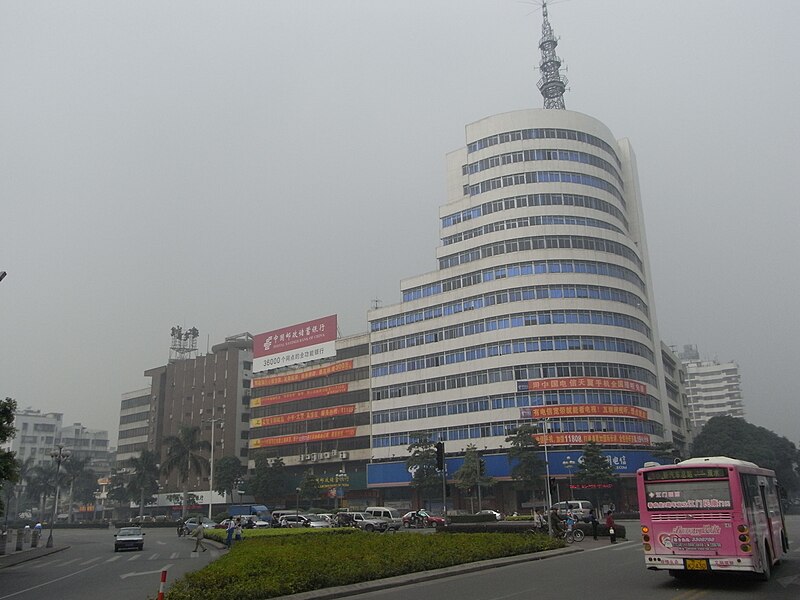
345	365
296	344
639	439
299	438
581	410
328	390
572	383
304	415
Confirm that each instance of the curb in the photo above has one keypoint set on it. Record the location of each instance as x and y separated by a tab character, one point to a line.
410	578
16	558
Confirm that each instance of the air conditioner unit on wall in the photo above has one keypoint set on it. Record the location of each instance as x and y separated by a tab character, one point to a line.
326	455
313	457
344	455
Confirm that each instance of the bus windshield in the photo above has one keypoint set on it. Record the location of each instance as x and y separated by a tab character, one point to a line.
688	495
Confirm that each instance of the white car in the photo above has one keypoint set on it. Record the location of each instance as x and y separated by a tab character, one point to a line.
129	538
191	523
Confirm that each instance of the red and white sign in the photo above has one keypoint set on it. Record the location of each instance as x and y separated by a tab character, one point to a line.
299	343
581	410
637	439
299	438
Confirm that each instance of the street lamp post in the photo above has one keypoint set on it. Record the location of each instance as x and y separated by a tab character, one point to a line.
239	483
569	464
547	470
58	454
296	502
213	422
342	479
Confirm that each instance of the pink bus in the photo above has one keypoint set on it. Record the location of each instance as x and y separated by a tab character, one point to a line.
709	515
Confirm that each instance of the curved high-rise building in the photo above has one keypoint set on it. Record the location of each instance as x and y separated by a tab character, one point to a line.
541	309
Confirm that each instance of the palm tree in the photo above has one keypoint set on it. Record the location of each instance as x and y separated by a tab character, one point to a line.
41	484
73	469
184	457
144	480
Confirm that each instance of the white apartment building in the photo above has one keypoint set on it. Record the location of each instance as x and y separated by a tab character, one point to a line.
713	388
134	421
36	436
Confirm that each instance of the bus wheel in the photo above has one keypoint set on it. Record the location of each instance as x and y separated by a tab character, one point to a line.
766	564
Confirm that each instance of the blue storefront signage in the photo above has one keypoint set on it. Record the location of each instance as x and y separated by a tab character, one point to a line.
623	462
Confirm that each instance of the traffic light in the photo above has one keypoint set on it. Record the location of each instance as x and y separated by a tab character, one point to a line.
440	456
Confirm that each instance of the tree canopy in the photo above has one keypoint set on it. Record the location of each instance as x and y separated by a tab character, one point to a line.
227	470
471	476
270	481
425	477
9	468
184	456
736	438
527	468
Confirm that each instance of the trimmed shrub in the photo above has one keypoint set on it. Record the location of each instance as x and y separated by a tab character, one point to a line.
472	519
271	566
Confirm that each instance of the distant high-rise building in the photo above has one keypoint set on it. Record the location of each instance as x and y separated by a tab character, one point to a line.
134	422
541	310
89	445
714	389
203	391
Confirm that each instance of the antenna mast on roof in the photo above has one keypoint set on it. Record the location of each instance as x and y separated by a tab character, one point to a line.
552	84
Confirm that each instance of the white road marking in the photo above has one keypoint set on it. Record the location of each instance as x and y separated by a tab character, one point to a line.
135	557
174	555
153	556
126	575
45	564
64	564
91	560
617	546
113	558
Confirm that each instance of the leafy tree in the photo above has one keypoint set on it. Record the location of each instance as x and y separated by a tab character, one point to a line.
736	438
9	468
269	482
527	468
425	477
184	457
143	481
73	469
226	471
309	487
665	451
471	476
594	469
117	490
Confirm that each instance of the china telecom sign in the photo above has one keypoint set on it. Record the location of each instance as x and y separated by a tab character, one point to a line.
299	343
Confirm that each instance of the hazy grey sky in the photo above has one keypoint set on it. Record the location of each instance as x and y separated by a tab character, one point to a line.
241	166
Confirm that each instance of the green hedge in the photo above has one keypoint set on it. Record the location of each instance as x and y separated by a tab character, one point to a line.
271	566
471	518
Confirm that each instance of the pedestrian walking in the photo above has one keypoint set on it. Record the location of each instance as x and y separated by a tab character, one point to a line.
199	533
610	524
237	530
229	530
594	522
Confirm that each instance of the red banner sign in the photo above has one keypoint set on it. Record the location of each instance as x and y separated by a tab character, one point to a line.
304	415
345	365
299	438
605	383
294	337
581	410
329	390
637	439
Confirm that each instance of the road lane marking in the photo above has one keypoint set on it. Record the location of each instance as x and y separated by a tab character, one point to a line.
34	587
153	556
134	574
113	558
45	564
135	557
617	546
91	560
64	564
174	555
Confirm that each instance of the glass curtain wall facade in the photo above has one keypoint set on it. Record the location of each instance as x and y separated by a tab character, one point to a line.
542	303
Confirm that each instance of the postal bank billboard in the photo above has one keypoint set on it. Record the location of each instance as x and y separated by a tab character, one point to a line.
295	344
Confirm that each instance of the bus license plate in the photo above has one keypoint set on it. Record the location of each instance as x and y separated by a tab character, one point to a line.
696	564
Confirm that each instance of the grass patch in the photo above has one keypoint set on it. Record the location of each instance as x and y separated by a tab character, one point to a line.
267	566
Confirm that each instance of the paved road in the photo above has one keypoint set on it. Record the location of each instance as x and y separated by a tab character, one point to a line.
601	572
91	569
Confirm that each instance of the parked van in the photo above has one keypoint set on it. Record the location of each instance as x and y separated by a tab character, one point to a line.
580	508
391	515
